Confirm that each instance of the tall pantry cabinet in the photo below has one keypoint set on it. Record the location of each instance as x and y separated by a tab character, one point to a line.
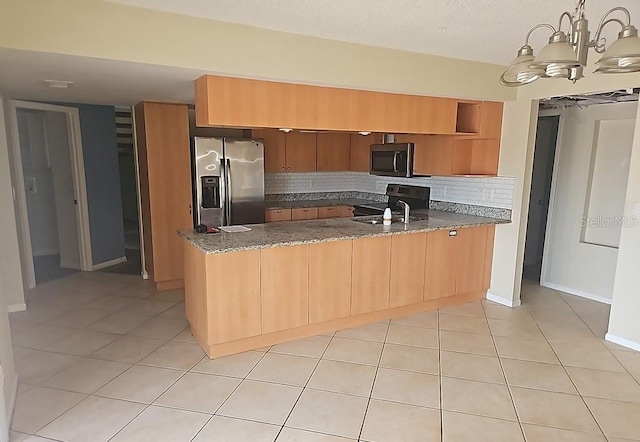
162	135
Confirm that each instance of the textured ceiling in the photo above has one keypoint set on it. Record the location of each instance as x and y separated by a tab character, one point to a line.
482	30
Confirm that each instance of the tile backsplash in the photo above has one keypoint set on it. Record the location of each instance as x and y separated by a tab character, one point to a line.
480	191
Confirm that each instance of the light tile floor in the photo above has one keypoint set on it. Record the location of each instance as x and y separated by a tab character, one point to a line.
104	357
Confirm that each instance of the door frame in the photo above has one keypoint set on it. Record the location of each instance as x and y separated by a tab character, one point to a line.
554	187
79	184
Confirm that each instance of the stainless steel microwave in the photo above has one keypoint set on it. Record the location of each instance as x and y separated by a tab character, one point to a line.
392	159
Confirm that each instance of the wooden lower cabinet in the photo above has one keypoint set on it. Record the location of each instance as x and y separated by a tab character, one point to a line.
304	214
329	281
284	285
329	212
370	274
470	256
440	265
272	215
408	255
347	211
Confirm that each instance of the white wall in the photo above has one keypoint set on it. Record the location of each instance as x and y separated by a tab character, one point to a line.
11	291
485	191
575	262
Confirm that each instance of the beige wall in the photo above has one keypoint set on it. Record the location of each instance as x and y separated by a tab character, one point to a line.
10	276
113	31
516	158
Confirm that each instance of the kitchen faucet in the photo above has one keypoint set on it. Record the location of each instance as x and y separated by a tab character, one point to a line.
406	207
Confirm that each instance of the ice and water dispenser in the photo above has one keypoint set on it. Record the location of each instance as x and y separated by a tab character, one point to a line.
210	210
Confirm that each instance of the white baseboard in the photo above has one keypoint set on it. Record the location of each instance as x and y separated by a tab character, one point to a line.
113	262
623	342
16	307
576	292
503	301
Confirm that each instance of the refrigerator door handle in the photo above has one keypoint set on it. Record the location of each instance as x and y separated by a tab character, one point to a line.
228	204
223	192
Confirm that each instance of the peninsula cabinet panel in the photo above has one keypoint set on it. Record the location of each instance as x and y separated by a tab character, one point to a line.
162	131
408	259
360	154
274	149
329	281
304	213
470	259
301	152
440	267
333	151
233	295
284	286
370	274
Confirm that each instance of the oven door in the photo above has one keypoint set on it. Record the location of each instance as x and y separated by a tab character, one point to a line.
392	160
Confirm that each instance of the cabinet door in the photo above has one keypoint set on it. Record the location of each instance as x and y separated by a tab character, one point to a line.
491	119
433	155
330	212
165	179
301	152
408	258
488	257
271	215
303	214
470	259
347	212
233	296
370	274
440	268
333	151
329	281
284	285
274	149
361	151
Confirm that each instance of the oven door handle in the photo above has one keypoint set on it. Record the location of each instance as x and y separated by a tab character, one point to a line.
395	161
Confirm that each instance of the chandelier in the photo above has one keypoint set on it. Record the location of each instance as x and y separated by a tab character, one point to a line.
566	54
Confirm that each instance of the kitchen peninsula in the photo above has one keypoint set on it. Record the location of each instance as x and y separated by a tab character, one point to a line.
288	280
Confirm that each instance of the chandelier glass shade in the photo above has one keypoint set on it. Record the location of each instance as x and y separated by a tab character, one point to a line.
565	56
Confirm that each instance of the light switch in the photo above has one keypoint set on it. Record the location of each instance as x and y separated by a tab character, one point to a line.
636	209
30	185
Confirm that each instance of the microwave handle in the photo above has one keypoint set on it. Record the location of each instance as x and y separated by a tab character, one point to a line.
395	161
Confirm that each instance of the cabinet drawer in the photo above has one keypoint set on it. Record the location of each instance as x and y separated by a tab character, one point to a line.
302	214
271	215
330	212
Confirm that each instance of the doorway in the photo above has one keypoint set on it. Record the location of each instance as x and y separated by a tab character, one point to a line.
50	191
541	179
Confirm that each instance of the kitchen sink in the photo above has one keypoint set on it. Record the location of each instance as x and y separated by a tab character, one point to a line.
377	219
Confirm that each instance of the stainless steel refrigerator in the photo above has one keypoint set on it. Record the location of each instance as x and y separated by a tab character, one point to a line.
228	181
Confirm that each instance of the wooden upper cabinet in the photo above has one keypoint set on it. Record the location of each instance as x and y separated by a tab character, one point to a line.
238	102
274	149
301	151
479	119
360	152
491	119
162	131
433	155
333	151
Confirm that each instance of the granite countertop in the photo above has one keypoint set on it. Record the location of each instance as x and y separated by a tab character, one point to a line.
303	204
289	233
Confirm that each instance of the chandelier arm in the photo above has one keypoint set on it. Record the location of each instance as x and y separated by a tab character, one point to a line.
604	20
565	14
598	43
536	27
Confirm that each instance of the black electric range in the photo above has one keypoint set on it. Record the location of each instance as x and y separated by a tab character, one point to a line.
416	196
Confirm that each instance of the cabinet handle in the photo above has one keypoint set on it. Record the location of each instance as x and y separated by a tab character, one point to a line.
284	168
277	211
288	168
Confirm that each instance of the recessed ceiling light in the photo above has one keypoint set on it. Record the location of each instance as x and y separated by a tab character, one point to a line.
364	133
286	130
58	84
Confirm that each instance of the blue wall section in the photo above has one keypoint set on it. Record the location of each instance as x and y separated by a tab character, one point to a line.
100	150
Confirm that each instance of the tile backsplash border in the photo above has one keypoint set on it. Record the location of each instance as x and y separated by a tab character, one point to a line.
495	192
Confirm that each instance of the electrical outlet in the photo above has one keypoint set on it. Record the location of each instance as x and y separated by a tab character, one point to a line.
30	185
444	190
485	194
636	209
